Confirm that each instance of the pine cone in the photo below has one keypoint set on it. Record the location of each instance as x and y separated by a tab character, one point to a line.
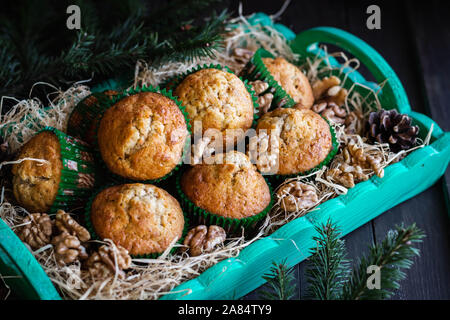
331	111
102	264
388	126
68	249
37	230
203	239
65	223
296	195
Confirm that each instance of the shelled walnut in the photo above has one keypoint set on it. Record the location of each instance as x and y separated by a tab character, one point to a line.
203	239
331	111
351	166
242	55
65	223
103	263
264	98
347	175
37	230
68	249
296	196
329	89
355	155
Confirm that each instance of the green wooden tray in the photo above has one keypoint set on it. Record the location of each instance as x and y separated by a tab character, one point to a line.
235	277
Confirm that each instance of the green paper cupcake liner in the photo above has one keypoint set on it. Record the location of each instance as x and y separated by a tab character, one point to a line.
175	81
78	173
84	117
334	149
230	225
106	104
95	236
255	69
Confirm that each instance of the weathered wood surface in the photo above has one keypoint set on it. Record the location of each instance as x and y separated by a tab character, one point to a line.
415	40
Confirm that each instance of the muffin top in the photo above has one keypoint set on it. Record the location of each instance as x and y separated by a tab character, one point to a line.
218	99
292	79
142	136
232	189
303	136
35	184
142	218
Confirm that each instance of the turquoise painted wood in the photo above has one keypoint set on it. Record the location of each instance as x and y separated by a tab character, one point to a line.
235	277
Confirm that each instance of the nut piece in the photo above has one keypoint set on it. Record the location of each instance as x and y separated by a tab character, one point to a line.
355	155
331	111
203	239
349	167
264	101
65	223
68	249
37	230
102	264
296	196
347	175
354	122
328	89
242	55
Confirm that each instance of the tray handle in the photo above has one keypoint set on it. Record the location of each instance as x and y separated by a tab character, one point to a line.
393	93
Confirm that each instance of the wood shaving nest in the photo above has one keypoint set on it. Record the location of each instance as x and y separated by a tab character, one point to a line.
152	278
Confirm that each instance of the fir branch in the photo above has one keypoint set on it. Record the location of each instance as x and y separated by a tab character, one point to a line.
327	267
36	46
393	254
281	282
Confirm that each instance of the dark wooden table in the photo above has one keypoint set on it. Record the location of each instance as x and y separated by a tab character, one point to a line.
415	40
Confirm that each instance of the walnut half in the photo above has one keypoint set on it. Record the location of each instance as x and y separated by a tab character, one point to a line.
203	239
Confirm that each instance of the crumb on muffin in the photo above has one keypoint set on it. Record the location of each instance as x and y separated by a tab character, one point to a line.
292	80
142	136
219	100
142	218
35	184
232	189
303	137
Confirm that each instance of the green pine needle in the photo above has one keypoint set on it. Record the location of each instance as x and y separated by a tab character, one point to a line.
327	267
36	46
394	253
281	282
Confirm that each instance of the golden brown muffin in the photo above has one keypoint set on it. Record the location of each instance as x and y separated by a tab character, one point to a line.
232	189
219	100
142	136
292	80
303	136
142	218
35	184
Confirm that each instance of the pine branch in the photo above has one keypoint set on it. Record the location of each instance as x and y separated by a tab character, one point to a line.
327	267
392	255
281	282
101	49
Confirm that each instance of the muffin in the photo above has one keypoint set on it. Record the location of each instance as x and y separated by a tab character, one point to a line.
216	99
303	139
65	177
292	80
229	188
142	136
85	116
142	218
